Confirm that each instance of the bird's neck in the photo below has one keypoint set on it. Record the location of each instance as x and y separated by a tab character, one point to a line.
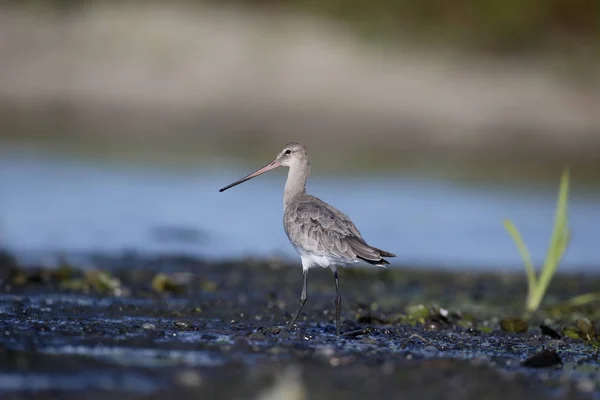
296	182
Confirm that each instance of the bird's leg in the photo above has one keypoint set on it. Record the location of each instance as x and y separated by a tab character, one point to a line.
302	299
337	301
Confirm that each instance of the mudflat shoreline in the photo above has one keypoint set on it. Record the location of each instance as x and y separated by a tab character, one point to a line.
136	327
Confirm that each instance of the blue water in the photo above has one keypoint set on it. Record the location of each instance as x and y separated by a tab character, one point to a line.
50	205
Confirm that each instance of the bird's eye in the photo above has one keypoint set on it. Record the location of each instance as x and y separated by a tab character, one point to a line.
288	151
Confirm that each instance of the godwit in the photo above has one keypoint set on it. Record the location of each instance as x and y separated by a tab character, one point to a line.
322	235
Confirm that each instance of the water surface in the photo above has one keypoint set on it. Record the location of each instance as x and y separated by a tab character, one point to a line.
50	204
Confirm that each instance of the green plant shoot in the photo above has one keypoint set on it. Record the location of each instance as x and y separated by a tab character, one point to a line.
537	285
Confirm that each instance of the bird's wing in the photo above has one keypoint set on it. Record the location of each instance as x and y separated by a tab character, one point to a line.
315	226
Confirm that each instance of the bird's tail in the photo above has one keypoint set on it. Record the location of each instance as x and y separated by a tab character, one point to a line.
382	261
384	253
368	253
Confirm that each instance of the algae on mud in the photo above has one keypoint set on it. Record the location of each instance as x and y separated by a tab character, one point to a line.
407	332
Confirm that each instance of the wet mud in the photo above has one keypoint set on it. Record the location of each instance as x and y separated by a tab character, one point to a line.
134	327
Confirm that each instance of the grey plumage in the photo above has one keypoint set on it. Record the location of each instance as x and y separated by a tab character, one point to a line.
322	235
316	227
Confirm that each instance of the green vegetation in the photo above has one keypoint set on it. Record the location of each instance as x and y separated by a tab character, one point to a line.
537	285
163	283
584	330
509	26
490	25
92	281
511	324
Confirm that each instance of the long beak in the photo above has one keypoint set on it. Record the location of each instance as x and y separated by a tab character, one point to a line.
272	165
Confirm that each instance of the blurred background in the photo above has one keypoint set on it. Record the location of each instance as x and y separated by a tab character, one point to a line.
427	122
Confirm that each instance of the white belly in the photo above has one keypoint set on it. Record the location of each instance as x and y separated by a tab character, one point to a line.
325	261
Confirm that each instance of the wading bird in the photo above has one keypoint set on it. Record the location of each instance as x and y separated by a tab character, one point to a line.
322	235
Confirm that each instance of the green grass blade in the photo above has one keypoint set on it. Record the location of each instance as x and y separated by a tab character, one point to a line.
574	303
560	236
582	300
524	252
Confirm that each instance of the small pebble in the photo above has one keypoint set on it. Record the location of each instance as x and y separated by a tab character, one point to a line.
514	325
189	378
276	350
547	331
181	324
288	386
148	327
433	325
587	385
326	351
543	359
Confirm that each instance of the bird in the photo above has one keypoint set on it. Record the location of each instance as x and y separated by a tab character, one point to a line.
322	235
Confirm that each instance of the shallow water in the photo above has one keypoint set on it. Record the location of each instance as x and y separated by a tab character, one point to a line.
50	204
